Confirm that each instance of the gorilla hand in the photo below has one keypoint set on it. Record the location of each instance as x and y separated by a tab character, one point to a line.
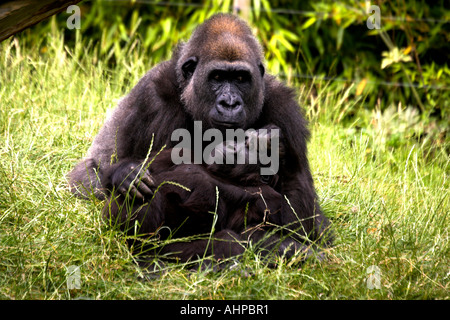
264	136
131	177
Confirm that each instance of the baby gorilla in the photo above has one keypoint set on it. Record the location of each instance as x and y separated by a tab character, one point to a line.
220	207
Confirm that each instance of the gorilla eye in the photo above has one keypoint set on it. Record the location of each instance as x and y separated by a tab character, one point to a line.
242	77
217	76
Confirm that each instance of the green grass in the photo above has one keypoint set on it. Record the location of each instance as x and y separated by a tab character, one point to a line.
388	204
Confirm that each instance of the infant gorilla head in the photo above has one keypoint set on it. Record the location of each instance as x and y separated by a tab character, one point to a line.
234	200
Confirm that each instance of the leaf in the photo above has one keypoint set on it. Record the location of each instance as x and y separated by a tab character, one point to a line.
257	8
407	50
267	8
361	86
309	23
340	36
394	56
285	43
385	63
289	35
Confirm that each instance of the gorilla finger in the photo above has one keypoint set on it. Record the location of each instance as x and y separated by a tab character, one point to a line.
135	192
123	191
143	188
148	180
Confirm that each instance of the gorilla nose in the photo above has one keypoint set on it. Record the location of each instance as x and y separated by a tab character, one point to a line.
229	102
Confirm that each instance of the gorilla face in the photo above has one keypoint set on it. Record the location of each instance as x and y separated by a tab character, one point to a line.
223	94
220	74
229	85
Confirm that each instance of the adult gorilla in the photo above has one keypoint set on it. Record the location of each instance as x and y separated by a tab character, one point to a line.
218	78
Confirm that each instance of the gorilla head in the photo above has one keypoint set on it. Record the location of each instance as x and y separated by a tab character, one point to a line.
220	73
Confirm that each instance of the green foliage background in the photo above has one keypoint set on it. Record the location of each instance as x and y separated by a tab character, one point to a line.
317	44
304	41
379	150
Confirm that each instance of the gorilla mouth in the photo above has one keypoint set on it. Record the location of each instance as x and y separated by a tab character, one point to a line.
225	124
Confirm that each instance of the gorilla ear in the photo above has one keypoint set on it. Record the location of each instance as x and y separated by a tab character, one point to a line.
188	67
261	69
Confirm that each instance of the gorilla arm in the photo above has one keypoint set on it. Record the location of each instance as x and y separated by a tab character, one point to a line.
85	178
146	114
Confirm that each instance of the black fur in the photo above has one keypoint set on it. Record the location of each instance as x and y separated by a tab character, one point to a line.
245	206
185	89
